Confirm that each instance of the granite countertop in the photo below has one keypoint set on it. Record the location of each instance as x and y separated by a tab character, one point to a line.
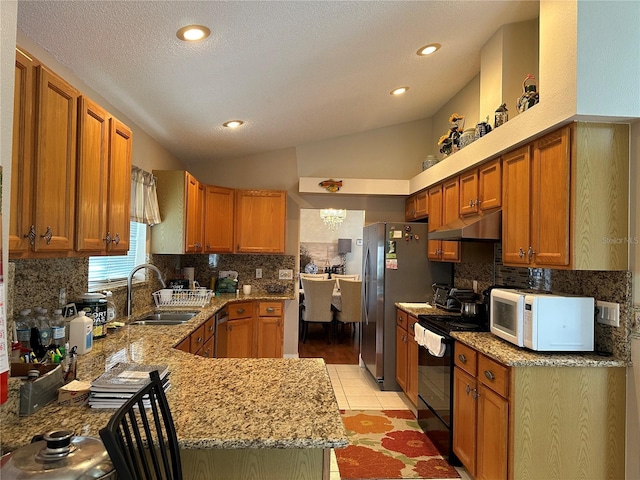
216	403
416	309
510	355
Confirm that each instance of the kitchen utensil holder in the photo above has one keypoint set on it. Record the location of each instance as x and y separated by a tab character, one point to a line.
184	298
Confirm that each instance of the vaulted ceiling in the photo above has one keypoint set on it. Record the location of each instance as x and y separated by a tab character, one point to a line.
294	71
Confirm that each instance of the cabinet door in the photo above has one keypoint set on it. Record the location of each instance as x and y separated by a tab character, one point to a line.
93	179
450	212
119	204
401	357
410	208
469	194
490	185
516	208
218	219
493	418
551	194
194	208
55	163
435	220
207	349
421	205
464	413
260	221
412	363
22	155
239	338
269	337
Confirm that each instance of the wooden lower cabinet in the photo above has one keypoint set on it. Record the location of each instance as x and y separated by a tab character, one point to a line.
537	422
200	341
406	355
254	329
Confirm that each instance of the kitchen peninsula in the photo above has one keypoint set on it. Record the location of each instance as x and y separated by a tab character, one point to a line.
236	418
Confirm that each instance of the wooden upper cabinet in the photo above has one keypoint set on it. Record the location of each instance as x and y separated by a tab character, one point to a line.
481	188
516	200
194	205
218	219
104	181
21	216
260	221
416	206
119	199
55	163
92	182
450	208
434	247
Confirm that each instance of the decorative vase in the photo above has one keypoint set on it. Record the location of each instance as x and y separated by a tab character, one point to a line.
467	137
501	116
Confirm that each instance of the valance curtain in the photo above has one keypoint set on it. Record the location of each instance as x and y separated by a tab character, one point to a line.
144	198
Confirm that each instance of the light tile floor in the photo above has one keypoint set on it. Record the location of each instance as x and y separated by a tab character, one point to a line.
356	389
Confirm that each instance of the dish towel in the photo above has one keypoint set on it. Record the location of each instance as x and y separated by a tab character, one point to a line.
434	343
418	334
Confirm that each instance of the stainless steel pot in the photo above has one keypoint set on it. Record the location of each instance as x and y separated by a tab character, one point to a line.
60	456
471	309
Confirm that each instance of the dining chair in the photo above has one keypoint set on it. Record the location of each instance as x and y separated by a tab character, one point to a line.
351	310
340	276
316	307
141	438
313	276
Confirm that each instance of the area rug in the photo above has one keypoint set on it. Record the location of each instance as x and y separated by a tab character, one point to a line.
388	444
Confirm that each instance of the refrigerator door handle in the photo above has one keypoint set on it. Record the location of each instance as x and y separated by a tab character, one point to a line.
366	287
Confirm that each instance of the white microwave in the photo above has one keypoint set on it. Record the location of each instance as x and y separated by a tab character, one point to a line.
543	322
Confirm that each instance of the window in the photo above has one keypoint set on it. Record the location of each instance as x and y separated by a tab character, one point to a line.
112	271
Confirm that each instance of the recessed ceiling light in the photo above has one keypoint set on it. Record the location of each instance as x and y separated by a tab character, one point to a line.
193	33
399	90
232	123
428	49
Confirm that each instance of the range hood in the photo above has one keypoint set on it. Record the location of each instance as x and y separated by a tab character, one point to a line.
482	228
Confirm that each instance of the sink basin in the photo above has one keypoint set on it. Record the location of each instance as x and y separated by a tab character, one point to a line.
166	318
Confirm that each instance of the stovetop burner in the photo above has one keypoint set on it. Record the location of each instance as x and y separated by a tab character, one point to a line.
444	324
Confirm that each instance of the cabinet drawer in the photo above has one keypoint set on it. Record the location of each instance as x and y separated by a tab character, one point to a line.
184	345
196	339
411	321
207	349
209	328
270	309
402	319
466	358
493	375
240	310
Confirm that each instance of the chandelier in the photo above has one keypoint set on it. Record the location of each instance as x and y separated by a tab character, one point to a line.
332	217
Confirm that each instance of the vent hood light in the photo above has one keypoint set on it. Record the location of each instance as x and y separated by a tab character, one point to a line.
428	49
233	123
484	228
193	33
398	91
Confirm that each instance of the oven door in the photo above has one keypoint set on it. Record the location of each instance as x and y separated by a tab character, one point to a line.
435	376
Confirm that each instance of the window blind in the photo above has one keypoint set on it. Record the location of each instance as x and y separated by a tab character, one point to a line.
107	269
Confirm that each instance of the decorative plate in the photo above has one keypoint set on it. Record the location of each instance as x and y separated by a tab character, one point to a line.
311	268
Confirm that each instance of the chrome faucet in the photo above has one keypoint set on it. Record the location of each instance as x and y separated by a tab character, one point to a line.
130	280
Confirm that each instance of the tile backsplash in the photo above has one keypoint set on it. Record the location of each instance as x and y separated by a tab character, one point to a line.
609	286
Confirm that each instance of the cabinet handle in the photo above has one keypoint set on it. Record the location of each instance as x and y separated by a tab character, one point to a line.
462	358
199	340
531	253
197	245
468	389
47	235
211	328
489	374
271	309
108	238
278	323
208	246
520	252
471	203
240	310
228	328
478	202
475	393
31	235
116	239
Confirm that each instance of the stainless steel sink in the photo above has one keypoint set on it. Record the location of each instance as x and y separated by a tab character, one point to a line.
166	318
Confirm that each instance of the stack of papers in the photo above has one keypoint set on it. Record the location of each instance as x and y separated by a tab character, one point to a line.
114	387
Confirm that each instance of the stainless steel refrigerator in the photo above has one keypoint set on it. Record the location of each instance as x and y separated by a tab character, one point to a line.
395	269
